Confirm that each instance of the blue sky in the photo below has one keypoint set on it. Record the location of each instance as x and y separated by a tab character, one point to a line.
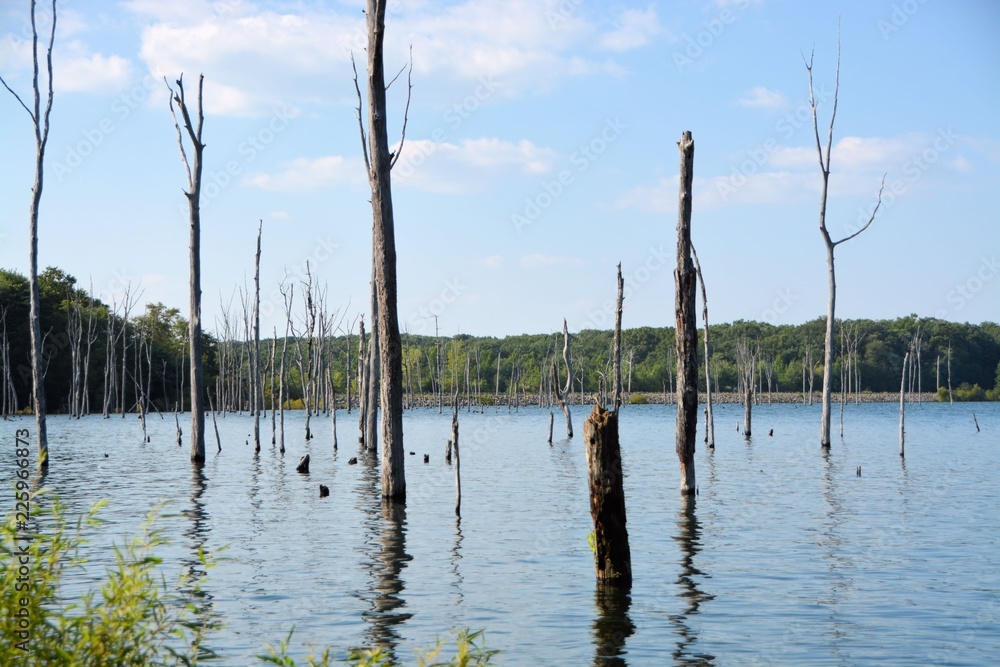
540	151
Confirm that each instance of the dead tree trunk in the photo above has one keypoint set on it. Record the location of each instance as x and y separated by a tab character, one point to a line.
830	244
709	420
613	560
686	331
378	163
902	407
40	122
193	195
616	401
458	459
563	396
372	375
256	393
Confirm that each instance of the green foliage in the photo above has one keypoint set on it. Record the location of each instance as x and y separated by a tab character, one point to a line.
638	399
967	392
135	619
470	651
592	542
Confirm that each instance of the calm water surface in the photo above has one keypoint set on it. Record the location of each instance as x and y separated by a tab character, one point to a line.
786	557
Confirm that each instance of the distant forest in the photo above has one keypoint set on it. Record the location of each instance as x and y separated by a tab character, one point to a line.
111	359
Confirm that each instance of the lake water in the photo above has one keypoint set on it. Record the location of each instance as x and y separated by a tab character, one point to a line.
786	557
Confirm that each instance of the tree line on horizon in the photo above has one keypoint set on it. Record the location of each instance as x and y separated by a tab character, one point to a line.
101	358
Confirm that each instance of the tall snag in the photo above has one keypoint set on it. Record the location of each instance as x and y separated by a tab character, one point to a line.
824	166
378	164
686	332
613	559
193	194
562	396
709	419
40	122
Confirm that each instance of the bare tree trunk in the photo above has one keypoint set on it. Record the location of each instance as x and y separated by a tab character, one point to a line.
709	420
193	195
378	163
458	459
564	396
616	400
902	407
40	121
830	244
951	397
613	559
686	331
372	374
256	393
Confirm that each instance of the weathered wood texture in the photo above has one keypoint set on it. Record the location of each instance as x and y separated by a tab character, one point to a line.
607	498
686	326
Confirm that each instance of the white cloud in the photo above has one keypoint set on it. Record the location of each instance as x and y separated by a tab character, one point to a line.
309	174
634	28
272	56
93	73
492	262
541	261
470	165
760	97
960	164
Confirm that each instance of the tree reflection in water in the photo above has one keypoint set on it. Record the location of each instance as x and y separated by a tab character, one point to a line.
689	539
612	626
197	537
388	562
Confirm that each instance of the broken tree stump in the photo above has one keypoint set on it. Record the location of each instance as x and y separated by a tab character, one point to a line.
613	560
303	465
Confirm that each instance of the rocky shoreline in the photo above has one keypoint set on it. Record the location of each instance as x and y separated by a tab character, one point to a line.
639	398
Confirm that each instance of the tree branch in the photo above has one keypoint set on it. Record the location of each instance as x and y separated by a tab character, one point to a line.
406	111
180	137
18	98
48	61
870	219
361	124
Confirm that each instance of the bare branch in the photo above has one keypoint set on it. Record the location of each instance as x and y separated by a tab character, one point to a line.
180	137
812	106
18	98
870	219
406	111
361	124
48	62
836	93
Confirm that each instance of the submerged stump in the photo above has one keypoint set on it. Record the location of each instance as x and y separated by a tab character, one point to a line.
613	559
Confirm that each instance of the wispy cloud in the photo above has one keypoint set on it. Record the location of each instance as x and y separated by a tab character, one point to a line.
633	29
760	97
309	174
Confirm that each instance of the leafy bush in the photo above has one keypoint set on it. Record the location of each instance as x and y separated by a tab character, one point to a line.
468	653
137	620
965	392
638	399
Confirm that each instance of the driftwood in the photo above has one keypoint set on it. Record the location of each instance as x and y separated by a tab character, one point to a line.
607	498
